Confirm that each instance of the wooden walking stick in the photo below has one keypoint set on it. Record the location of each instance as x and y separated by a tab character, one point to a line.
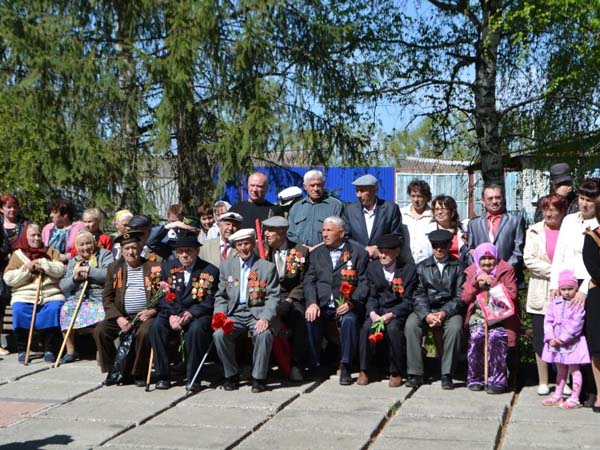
75	313
38	288
485	346
149	370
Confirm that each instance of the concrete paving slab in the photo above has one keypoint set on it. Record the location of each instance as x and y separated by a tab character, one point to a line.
376	390
83	410
136	394
450	430
48	429
185	415
349	402
387	443
12	412
336	422
47	391
554	435
486	407
166	437
302	440
13	370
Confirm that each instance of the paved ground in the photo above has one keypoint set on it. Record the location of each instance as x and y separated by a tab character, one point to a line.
46	408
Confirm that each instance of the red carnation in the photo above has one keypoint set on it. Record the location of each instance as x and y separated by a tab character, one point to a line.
218	320
346	289
375	337
227	327
170	296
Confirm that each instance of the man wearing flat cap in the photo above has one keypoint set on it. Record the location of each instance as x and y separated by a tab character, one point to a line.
248	294
371	217
219	249
392	285
335	290
561	182
290	260
127	290
194	283
437	306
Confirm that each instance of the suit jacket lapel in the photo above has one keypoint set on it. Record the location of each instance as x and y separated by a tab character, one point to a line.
340	263
503	220
235	269
379	205
361	220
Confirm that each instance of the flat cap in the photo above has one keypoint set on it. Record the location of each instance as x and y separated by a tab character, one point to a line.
276	222
440	237
240	235
288	195
129	236
186	238
365	180
234	217
388	241
560	173
140	221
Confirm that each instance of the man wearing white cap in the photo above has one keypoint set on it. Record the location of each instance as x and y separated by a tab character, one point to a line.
288	198
219	249
248	294
371	217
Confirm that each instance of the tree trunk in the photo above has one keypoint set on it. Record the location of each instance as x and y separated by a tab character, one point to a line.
487	119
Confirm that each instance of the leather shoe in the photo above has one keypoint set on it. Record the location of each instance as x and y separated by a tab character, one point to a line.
345	377
258	386
231	384
596	409
139	382
475	387
196	387
414	381
395	381
363	379
491	389
447	383
163	384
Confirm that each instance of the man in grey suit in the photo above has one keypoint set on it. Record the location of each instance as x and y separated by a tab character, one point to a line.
248	294
371	217
505	231
218	249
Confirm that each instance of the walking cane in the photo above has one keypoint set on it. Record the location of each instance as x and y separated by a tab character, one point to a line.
149	369
189	386
38	288
75	313
485	346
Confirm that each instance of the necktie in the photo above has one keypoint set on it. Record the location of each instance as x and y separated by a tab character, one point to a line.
280	263
224	252
244	284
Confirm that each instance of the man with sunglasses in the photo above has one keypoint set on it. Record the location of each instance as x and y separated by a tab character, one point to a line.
437	306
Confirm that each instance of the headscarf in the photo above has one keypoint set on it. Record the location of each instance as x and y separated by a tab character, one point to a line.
30	252
485	249
93	261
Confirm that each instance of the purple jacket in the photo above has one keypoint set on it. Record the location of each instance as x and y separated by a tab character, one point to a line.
565	323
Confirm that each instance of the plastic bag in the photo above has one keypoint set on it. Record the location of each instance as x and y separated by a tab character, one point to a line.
496	304
120	371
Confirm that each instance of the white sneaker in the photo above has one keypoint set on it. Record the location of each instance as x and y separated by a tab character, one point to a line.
566	391
543	389
295	374
4	352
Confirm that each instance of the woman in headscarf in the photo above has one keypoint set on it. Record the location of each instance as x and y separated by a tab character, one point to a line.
89	265
32	267
486	272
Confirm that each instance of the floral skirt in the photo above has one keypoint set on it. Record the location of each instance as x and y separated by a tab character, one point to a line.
90	313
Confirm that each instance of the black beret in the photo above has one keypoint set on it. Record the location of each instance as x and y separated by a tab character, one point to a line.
440	237
140	221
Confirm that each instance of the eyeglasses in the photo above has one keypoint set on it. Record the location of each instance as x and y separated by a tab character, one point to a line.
441	208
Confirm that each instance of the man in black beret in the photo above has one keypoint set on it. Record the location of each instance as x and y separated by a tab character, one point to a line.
391	288
437	306
193	282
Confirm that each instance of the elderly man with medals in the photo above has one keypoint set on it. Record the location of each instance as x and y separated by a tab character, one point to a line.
187	308
392	284
248	294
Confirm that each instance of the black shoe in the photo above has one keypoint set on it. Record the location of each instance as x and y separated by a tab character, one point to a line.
447	383
163	384
476	387
258	386
491	389
414	381
231	383
196	387
590	401
596	409
345	377
139	382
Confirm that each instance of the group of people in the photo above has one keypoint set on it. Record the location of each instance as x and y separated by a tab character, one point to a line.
319	285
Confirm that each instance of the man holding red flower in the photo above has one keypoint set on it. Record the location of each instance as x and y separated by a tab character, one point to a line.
392	284
248	295
335	288
188	307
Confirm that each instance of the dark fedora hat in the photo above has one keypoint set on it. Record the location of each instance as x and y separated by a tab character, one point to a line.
186	239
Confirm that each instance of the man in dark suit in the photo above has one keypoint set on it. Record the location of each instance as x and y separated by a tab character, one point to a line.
391	287
505	231
336	288
193	282
371	217
291	261
248	293
126	293
437	306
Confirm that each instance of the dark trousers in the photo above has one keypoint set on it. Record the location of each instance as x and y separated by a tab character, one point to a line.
348	335
51	336
293	316
105	334
197	337
395	341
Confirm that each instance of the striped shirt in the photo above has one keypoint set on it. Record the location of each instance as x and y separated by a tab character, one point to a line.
135	293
